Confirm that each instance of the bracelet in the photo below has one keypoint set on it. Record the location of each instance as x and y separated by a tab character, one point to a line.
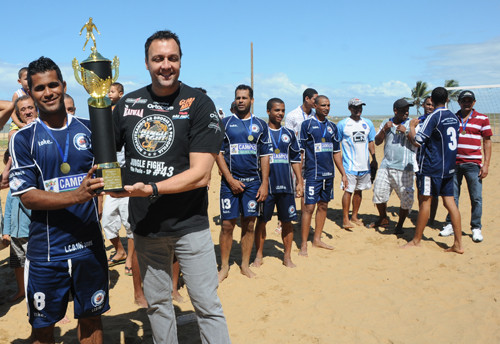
155	194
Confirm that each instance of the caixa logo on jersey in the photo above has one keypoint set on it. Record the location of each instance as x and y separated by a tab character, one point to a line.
255	128
285	138
291	210
98	298
153	136
252	205
81	141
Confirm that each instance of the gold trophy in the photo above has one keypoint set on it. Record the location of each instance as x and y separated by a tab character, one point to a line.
95	75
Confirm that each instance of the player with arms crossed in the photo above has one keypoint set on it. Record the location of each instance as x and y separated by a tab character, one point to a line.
52	174
438	141
285	158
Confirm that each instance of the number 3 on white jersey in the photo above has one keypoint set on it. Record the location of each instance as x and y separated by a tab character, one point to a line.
452	133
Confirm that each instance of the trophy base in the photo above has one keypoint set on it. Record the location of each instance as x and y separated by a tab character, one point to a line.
112	174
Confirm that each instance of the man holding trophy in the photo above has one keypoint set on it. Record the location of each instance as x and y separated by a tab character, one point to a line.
172	135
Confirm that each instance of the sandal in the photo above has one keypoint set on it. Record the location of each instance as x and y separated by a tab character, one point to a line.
128	271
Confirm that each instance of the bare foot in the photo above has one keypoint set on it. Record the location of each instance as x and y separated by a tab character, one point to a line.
257	262
455	249
223	273
321	244
411	244
177	297
141	301
16	296
357	221
303	250
64	320
380	223
245	270
347	224
287	261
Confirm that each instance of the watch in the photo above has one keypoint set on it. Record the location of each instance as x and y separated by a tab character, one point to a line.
155	194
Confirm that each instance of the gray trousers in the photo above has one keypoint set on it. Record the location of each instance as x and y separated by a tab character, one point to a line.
196	256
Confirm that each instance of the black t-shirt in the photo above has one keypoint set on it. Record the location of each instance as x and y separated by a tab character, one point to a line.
158	134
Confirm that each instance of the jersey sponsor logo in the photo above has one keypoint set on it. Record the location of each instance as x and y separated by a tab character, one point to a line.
291	210
44	142
77	246
153	136
162	107
365	126
233	125
62	184
186	103
252	205
255	128
98	298
323	147
134	101
179	116
81	141
329	129
280	158
243	148
358	136
285	138
133	112
15	183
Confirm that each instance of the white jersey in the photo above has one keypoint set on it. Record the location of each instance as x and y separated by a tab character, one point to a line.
355	136
294	119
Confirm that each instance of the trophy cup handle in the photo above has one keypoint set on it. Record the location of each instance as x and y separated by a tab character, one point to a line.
76	69
116	63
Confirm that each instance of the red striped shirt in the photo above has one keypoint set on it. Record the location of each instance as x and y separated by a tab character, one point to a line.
469	144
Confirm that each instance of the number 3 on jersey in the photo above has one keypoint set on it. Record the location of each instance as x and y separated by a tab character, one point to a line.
452	133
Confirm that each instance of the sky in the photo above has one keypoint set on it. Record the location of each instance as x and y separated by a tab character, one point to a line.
375	51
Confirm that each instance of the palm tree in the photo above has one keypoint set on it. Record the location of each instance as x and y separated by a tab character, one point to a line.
419	93
452	94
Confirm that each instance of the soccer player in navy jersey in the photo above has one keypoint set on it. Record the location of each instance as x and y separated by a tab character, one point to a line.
285	158
246	147
52	174
438	142
318	138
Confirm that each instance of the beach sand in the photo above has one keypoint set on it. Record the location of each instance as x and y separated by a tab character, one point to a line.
368	290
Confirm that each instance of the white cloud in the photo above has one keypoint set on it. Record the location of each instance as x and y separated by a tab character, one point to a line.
470	64
391	88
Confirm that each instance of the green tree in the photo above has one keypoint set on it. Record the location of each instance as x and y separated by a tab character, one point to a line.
418	94
452	94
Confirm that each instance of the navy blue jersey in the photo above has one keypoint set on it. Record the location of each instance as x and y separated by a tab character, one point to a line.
280	173
64	233
319	141
241	154
438	138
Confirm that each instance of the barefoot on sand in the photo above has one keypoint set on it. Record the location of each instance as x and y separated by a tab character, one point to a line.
223	273
410	244
347	225
257	262
380	223
358	222
303	250
288	263
321	244
455	249
247	272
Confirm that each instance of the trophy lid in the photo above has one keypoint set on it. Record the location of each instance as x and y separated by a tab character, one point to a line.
95	57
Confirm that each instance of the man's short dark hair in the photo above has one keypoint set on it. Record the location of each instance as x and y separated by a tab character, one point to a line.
21	71
119	86
439	95
318	98
272	101
233	106
162	35
244	87
425	99
21	98
42	65
308	93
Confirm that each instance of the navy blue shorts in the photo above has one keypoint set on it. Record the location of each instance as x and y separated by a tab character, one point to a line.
49	285
245	204
285	203
318	190
434	186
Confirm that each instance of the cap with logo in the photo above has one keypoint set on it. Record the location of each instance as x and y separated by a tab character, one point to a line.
466	94
355	102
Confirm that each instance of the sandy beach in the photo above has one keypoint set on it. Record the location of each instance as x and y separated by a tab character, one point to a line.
368	290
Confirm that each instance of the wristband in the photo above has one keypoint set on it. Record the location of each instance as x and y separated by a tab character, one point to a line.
155	194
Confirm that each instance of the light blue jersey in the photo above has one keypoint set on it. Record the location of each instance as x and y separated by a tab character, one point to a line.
355	136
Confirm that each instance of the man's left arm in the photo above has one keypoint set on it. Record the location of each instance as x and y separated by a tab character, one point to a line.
483	172
264	187
371	149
